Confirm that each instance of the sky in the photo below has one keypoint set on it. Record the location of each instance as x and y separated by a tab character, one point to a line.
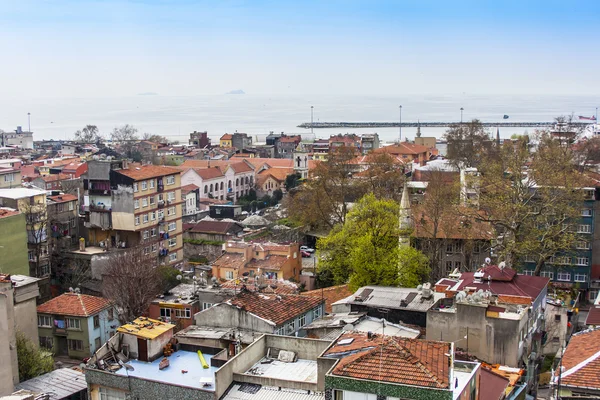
80	48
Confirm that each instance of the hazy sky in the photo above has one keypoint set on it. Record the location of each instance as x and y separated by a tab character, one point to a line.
79	48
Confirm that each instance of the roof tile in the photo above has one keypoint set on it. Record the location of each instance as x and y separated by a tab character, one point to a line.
74	304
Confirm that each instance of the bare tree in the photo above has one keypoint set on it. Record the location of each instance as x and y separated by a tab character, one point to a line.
124	136
132	279
466	143
89	134
36	223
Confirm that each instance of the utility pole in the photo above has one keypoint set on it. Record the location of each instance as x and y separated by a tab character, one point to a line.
400	138
29	121
311	120
461	115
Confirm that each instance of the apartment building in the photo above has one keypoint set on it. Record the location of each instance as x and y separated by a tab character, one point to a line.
135	206
9	177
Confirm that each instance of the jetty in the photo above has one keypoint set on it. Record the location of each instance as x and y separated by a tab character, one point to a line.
500	124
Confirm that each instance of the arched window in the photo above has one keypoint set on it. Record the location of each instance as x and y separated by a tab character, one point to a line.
237	182
205	188
229	185
246	180
211	187
221	185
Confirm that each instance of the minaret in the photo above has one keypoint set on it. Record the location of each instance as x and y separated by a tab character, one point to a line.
418	128
498	136
405	218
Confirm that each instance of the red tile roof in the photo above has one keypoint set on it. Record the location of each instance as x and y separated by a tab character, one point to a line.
403	361
226	136
276	308
239	167
403	148
330	294
290	139
148	171
523	286
219	227
230	260
270	263
8	212
593	317
281	287
188	188
62	198
75	305
581	361
209	173
55	177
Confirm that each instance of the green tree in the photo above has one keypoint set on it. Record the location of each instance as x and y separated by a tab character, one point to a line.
292	181
466	143
364	250
413	267
277	195
32	361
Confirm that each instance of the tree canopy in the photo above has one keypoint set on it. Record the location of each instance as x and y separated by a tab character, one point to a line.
89	134
364	250
32	360
466	143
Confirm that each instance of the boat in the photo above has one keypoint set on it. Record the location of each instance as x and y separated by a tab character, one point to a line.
164	363
202	360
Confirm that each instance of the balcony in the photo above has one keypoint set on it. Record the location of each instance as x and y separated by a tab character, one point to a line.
160	203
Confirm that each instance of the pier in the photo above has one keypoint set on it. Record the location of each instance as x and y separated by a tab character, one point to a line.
500	124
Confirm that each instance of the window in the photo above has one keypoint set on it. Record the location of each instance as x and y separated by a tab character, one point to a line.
546	274
582	245
206	305
135	187
448	267
111	394
170	180
76	345
152	216
221	185
229	275
73	323
96	321
136	204
44	320
111	314
563	276
165	312
555	339
152	199
528	272
172	242
183	313
154	248
161	214
586	212
557	317
31	254
151	184
146	234
144	185
73	223
173	257
211	188
589	193
146	250
145	218
584	228
171	211
582	261
44	270
153	232
9	178
580	277
145	202
172	226
71	206
205	188
137	220
302	321
171	196
97	343
317	312
46	342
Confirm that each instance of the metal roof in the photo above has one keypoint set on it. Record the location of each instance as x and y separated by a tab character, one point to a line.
390	297
59	384
249	391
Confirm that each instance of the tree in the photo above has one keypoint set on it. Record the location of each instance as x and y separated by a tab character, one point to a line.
124	136
532	199
364	250
383	176
154	138
322	202
32	361
277	195
413	267
132	280
36	224
292	181
89	134
466	143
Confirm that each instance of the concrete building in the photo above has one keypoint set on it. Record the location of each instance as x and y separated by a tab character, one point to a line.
369	142
199	139
274	261
348	140
18	294
10	177
221	231
241	140
395	304
135	206
63	216
286	145
76	324
18	137
13	246
226	140
372	366
190	195
32	203
494	314
178	306
259	313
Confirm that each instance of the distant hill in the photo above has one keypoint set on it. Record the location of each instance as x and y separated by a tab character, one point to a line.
237	91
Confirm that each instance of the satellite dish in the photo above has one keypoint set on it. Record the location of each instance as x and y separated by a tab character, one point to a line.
488	260
246	273
419	287
348	327
502	265
273	286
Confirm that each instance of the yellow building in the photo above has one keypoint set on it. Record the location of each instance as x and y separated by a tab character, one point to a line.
226	140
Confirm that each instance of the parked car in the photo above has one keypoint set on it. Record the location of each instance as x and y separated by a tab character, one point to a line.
305	254
307	249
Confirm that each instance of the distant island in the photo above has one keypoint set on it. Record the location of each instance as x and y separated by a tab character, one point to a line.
237	91
148	94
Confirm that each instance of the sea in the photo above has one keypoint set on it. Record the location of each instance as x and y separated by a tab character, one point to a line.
258	115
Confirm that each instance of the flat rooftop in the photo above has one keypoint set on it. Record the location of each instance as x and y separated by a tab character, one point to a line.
249	391
179	361
299	371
